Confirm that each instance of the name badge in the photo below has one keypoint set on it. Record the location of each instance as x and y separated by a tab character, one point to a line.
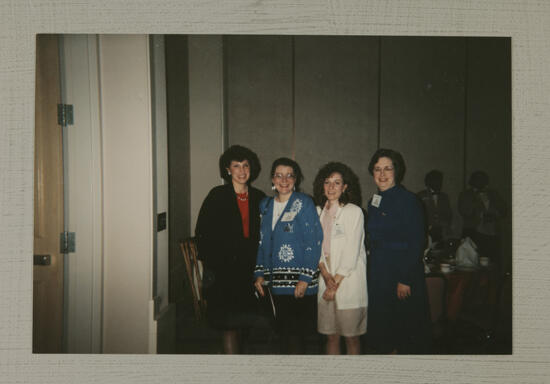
289	216
376	200
338	230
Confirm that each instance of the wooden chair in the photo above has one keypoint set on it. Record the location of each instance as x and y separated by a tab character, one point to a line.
194	269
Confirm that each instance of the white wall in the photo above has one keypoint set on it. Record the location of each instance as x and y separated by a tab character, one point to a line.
205	116
128	193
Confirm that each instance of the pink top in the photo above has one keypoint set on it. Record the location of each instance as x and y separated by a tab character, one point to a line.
328	220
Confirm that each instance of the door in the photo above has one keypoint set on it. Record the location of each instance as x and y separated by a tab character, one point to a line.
48	202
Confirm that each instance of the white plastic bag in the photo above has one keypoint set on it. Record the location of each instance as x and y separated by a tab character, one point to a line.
467	254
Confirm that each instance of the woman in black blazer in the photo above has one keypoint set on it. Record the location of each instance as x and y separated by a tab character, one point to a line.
228	235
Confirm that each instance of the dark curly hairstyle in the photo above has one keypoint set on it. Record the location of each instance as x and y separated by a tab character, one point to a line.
285	161
352	194
396	159
434	180
479	179
239	153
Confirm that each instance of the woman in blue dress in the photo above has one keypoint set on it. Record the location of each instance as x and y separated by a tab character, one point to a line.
398	319
288	254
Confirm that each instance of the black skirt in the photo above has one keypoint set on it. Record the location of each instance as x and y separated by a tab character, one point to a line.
231	303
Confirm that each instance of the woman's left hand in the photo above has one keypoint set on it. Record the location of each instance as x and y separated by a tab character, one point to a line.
300	289
403	291
329	294
258	284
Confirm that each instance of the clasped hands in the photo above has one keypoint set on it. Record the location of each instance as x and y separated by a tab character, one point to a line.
332	283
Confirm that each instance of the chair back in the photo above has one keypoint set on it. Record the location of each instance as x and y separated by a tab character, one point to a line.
193	267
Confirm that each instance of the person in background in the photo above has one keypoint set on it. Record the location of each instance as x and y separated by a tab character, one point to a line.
342	296
288	255
437	206
481	209
398	317
227	232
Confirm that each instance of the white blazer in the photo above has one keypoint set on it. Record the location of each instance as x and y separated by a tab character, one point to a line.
348	257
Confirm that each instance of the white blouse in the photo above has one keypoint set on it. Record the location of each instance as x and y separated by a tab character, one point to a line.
278	209
348	257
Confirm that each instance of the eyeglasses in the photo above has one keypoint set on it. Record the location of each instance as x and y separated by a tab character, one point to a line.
385	169
280	176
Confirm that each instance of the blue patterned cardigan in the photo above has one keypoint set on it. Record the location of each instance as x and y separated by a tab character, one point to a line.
290	252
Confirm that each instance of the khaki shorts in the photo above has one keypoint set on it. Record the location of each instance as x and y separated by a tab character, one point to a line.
344	322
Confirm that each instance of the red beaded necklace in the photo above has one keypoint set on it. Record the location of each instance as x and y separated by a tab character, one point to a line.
242	196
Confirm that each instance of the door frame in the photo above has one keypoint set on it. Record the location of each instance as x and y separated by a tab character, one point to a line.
83	292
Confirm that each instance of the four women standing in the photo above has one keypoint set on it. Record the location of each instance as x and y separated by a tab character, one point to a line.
293	241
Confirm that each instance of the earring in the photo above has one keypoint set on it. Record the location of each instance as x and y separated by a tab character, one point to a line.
229	173
273	187
293	187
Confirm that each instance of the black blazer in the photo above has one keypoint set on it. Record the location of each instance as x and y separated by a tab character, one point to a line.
219	231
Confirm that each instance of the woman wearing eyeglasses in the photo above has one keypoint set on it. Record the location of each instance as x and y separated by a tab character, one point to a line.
398	319
288	254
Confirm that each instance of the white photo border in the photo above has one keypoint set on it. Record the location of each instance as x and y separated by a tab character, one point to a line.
526	22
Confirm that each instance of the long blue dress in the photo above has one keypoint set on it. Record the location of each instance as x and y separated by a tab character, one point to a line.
396	241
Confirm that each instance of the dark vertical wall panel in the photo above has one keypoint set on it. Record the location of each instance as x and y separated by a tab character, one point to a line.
259	97
423	107
336	96
444	103
488	135
177	97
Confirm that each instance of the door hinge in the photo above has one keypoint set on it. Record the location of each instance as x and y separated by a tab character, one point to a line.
65	115
66	242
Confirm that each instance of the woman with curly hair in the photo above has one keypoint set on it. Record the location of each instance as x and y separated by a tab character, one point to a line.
342	296
227	231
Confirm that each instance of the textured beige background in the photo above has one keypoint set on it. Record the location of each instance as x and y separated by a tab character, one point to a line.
527	22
